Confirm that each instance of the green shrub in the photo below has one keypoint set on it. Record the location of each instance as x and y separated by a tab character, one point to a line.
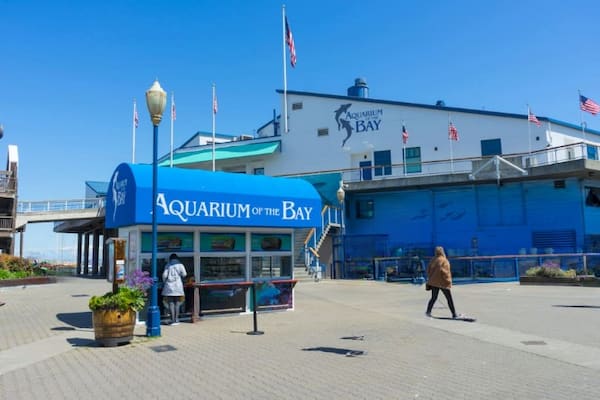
550	272
125	299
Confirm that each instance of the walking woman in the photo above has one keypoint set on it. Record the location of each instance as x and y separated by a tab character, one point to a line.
439	278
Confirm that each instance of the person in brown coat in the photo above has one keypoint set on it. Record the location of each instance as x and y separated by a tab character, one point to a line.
439	277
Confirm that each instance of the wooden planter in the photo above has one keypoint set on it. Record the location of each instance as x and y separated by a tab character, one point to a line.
31	280
113	327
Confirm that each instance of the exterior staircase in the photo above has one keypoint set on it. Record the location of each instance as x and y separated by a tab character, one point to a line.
307	266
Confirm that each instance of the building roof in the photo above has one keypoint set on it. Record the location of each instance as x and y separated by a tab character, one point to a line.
436	107
223	153
100	188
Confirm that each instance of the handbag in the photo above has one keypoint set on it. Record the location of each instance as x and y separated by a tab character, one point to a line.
427	286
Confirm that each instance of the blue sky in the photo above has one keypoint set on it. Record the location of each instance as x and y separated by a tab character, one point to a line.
71	70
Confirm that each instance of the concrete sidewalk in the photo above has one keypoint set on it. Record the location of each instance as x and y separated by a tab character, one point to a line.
345	340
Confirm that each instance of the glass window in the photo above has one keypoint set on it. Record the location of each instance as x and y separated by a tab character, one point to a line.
412	159
222	242
592	199
383	162
168	241
271	266
322	132
365	209
222	268
271	242
491	147
592	152
259	171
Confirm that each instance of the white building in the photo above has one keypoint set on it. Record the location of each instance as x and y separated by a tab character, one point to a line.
506	186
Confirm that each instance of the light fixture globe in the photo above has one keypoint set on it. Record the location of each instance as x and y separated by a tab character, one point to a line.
156	100
341	194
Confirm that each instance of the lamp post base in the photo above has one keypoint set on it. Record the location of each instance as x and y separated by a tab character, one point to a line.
153	322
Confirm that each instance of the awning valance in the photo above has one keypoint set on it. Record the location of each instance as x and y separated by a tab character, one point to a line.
203	198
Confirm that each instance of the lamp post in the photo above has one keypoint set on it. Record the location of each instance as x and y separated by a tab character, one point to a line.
341	196
156	99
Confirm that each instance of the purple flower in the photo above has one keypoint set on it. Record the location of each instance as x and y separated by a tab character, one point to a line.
139	279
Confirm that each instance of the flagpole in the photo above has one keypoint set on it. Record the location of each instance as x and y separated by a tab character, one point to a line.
581	116
529	128
172	123
451	140
285	121
214	116
403	150
133	132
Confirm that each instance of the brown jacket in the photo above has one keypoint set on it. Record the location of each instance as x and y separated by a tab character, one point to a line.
438	272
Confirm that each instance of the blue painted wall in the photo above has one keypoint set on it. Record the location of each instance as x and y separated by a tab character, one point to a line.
486	219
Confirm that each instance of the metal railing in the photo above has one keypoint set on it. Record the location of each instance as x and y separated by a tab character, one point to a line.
25	207
484	268
554	155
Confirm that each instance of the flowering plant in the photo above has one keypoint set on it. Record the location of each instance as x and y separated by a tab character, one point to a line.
139	279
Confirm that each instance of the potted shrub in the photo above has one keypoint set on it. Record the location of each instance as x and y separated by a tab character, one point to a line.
114	314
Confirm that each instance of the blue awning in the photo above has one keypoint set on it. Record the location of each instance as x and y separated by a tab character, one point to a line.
203	198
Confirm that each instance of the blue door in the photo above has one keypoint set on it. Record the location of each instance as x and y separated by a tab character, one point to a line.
365	170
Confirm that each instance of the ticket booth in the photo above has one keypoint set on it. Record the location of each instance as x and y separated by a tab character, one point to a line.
231	231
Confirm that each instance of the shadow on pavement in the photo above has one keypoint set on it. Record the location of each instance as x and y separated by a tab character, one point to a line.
336	350
464	319
79	342
76	320
575	306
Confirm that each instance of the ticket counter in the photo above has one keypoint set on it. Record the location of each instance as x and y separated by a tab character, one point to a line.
229	230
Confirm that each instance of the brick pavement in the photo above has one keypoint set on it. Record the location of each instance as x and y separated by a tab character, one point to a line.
47	351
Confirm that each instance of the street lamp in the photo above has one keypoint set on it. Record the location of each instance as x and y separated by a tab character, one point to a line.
341	196
156	99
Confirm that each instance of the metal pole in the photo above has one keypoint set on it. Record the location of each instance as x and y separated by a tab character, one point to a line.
255	331
153	320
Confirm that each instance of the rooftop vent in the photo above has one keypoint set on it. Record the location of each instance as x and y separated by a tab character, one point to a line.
360	88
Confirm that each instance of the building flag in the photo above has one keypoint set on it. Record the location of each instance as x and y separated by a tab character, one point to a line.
136	119
452	132
289	39
404	134
533	118
135	124
588	105
215	108
173	117
173	112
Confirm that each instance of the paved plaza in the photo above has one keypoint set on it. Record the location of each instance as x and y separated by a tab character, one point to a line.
344	340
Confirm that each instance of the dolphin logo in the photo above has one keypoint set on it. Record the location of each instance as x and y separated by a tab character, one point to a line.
115	194
338	113
346	125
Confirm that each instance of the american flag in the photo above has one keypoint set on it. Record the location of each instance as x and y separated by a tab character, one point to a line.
452	132
533	118
215	104
289	39
589	105
136	120
404	134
